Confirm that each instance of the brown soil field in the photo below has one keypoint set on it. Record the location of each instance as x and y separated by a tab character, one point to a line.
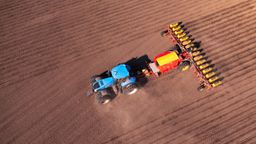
49	50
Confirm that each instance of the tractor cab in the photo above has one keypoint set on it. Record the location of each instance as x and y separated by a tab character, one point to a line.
125	79
120	71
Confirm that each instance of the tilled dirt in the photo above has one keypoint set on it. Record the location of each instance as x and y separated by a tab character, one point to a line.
49	49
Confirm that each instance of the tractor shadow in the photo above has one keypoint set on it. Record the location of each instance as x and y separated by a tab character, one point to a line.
137	64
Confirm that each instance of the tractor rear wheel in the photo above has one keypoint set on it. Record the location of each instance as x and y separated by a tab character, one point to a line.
130	89
185	65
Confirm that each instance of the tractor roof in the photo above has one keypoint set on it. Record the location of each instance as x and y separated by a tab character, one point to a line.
120	71
166	58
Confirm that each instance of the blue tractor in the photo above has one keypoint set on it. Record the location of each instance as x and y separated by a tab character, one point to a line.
120	79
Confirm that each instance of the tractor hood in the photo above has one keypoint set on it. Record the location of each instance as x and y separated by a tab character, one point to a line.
103	83
106	82
120	71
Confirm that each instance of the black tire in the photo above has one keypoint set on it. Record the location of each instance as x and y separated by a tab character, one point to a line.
201	88
162	33
95	78
130	89
185	65
103	99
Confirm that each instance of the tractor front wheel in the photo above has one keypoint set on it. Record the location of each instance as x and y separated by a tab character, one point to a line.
185	65
130	89
103	99
95	78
